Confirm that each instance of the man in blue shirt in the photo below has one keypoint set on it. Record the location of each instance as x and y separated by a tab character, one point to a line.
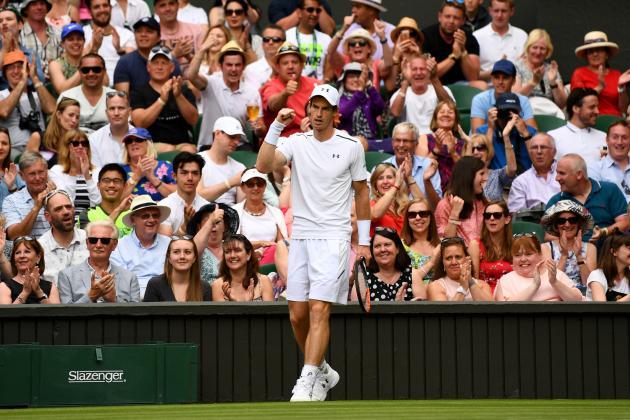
615	166
508	105
423	170
603	200
483	105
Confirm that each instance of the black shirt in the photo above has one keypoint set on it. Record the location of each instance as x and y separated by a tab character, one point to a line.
481	20
170	126
158	290
435	45
16	288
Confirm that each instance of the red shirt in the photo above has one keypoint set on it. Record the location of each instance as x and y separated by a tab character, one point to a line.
389	220
297	101
609	97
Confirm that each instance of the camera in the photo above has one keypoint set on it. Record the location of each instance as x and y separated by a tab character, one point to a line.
504	114
30	122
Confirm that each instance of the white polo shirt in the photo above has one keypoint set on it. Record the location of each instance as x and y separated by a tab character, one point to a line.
177	205
214	173
105	148
219	100
493	47
418	109
586	142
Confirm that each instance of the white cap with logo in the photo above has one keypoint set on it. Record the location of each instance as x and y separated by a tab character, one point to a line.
229	125
327	92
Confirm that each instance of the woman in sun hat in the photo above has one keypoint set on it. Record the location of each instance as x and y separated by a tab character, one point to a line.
568	220
610	84
408	40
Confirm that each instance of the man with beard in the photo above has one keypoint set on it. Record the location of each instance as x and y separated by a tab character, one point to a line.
24	208
109	41
91	94
289	89
64	244
131	69
37	35
223	93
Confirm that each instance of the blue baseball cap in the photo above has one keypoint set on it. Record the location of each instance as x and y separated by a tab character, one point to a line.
505	67
70	28
141	133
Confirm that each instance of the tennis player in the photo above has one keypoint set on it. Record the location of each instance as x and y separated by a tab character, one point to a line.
326	166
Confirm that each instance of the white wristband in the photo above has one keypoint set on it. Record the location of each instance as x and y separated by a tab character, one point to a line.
274	132
364	231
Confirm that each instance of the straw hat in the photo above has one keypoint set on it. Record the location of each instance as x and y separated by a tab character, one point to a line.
231	47
407	23
145	201
596	39
549	219
359	33
288	48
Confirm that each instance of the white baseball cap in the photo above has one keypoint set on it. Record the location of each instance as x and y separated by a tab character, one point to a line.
229	125
328	92
252	173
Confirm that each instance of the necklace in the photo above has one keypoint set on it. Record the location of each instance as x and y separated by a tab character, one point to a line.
255	214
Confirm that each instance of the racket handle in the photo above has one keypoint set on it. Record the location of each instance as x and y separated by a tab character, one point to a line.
368	302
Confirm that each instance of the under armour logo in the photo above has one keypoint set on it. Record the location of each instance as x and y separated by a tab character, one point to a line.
335	156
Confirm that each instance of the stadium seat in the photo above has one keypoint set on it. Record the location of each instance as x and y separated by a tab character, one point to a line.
168	156
196	130
246	157
547	122
464	121
267	268
374	158
604	121
463	95
529	227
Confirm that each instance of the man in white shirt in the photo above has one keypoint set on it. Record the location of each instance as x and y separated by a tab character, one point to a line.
64	244
259	72
311	42
106	142
185	201
579	135
91	93
328	167
109	41
419	93
499	40
126	13
221	175
187	13
224	93
615	166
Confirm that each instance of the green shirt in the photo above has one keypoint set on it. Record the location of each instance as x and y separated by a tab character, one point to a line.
97	213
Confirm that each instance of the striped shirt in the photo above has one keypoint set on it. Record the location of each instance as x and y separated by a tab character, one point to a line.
18	205
47	52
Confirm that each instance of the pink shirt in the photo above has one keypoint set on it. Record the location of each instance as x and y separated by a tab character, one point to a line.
450	288
469	228
512	284
185	31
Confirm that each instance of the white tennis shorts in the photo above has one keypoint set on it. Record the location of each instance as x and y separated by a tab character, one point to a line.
318	269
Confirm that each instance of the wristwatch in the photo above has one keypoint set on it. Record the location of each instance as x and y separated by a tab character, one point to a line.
461	290
453	57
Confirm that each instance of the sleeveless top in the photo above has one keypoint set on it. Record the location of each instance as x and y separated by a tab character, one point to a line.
208	266
257	292
450	288
382	292
16	288
571	269
418	260
68	69
491	271
445	161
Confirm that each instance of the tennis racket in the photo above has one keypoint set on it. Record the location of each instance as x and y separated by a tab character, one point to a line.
361	286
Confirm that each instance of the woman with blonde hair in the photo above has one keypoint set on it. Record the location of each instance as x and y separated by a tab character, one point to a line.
65	118
535	76
75	173
498	179
390	191
181	281
216	37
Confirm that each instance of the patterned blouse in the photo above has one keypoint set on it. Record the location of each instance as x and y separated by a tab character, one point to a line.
163	171
445	161
208	266
418	260
498	179
491	271
382	292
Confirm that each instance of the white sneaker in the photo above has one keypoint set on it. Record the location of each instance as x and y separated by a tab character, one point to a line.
302	390
324	382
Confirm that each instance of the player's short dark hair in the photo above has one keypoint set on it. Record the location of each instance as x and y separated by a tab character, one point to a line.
576	98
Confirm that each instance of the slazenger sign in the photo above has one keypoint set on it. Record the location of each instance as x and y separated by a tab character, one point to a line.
96	376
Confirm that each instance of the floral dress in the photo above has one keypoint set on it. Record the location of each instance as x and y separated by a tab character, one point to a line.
445	161
417	261
383	292
491	271
208	266
571	269
163	171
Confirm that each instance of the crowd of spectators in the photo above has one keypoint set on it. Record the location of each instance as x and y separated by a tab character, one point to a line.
121	127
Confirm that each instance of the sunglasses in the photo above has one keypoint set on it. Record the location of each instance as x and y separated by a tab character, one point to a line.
274	39
317	10
385	229
455	1
422	213
526	235
181	238
77	143
92	240
130	140
94	69
480	148
23	238
53	193
487	215
119	93
354	44
255	183
147	216
115	181
234	12
573	220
